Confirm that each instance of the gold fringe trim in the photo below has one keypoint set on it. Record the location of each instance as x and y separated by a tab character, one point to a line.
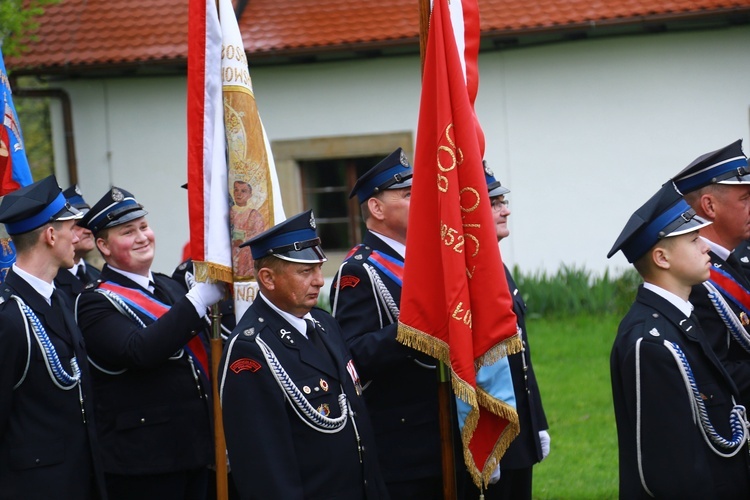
511	345
423	342
211	272
438	349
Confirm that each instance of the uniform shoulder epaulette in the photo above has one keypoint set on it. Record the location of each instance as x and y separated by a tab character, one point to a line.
653	326
5	293
358	253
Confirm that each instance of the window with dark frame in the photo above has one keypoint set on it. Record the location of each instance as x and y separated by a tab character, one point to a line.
326	185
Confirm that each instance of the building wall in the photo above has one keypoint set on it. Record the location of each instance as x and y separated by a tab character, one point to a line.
582	132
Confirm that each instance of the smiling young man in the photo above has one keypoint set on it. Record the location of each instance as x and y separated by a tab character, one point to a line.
680	432
295	423
717	187
72	280
48	443
148	365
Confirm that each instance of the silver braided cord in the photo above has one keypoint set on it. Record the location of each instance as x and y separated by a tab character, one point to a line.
307	413
385	296
728	316
57	373
737	417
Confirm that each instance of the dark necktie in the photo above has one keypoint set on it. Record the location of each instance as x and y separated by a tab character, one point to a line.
159	293
314	336
81	274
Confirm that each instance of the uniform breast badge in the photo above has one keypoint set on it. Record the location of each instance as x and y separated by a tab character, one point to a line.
324	409
744	319
324	385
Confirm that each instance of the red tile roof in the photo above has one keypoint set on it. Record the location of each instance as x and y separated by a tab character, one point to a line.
94	33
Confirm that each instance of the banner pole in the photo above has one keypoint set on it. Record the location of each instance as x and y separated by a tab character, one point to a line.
220	445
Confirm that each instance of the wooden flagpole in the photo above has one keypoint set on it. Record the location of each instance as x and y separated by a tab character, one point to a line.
445	408
220	445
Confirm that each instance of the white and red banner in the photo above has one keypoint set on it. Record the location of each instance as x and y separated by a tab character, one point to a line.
455	302
233	189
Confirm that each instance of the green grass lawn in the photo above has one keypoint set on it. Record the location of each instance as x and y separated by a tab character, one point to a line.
571	361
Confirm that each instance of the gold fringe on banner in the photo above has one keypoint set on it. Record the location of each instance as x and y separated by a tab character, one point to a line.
511	345
208	271
423	342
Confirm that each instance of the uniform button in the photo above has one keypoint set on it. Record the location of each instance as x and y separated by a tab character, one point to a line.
143	420
403	420
37	461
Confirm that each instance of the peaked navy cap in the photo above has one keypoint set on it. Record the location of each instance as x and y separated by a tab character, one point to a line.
294	240
494	188
665	214
116	207
392	172
75	197
727	165
35	205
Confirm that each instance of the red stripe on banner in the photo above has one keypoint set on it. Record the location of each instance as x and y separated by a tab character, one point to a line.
733	288
195	123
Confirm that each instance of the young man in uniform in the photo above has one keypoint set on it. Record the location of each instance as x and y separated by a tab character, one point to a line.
296	426
680	432
72	280
48	443
149	366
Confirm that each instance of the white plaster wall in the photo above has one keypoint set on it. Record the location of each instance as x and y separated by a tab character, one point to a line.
582	132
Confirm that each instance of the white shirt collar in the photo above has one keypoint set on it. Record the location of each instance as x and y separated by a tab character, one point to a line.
42	287
719	250
143	281
298	323
684	306
74	270
400	248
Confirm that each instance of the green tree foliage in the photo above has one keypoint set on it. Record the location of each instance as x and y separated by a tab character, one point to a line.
18	20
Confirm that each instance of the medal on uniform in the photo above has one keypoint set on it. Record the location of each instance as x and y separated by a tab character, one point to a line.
324	409
323	385
306	389
744	319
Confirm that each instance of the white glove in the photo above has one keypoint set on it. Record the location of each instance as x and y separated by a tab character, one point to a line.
495	476
204	295
544	440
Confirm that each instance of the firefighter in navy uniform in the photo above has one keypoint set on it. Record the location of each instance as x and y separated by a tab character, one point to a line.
680	431
717	186
71	281
401	387
532	445
149	366
296	426
48	443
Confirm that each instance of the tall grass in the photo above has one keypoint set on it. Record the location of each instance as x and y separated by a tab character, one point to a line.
574	291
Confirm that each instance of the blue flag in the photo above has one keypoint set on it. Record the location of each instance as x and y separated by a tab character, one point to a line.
14	166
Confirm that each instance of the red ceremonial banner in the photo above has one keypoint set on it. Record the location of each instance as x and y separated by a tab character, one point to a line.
455	302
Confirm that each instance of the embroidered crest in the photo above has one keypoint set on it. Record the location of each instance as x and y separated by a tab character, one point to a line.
117	195
346	281
488	170
249	332
245	364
